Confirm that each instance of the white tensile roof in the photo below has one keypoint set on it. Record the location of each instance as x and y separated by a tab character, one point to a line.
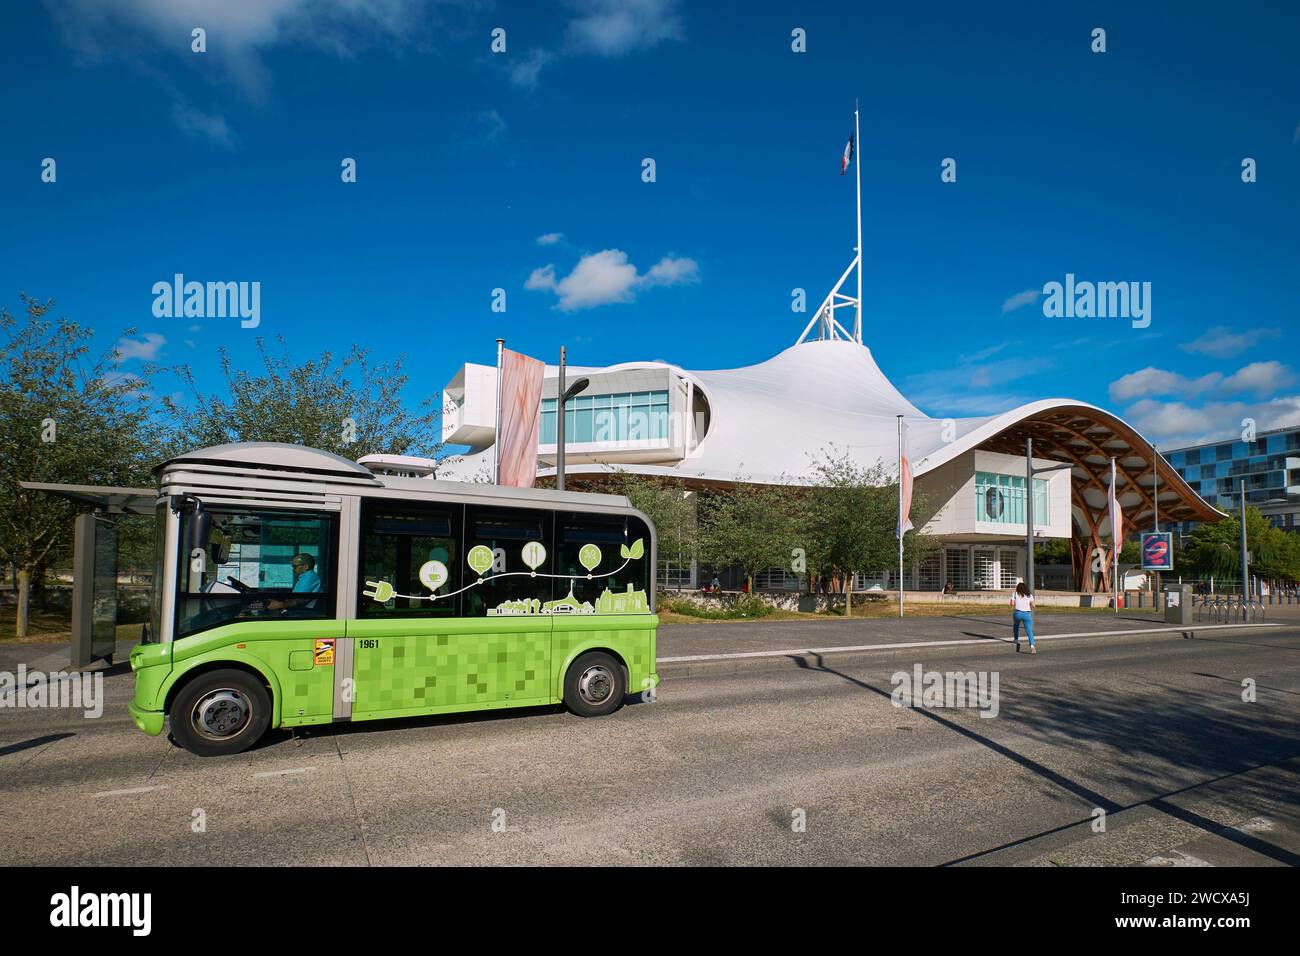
771	422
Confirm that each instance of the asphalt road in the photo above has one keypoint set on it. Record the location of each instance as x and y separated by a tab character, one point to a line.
1152	729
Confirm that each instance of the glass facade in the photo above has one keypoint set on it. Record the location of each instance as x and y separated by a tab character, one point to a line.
1216	471
1001	499
616	417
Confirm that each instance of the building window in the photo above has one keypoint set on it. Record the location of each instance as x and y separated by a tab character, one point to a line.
1007	576
1001	499
618	417
677	576
929	572
957	568
776	579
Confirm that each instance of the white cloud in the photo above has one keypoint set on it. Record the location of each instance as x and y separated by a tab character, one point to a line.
606	277
1154	381
614	27
1251	392
1222	342
541	279
670	271
602	27
549	238
1177	424
1259	378
145	348
240	34
196	123
1020	300
524	72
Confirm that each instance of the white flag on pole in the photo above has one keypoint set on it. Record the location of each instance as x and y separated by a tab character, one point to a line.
904	486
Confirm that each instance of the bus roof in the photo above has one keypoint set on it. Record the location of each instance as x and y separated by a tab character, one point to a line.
240	464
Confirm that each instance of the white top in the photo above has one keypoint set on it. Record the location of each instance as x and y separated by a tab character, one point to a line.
1022	603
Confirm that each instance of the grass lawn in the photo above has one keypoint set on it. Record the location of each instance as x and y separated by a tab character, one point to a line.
869	609
52	627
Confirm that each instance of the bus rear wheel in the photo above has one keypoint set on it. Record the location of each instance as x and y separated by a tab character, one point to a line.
595	685
219	713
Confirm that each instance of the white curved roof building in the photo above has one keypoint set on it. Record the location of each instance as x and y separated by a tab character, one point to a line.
769	423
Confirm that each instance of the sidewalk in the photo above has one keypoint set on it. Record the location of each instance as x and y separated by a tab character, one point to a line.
694	649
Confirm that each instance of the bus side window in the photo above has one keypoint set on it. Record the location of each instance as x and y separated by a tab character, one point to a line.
509	538
592	544
415	550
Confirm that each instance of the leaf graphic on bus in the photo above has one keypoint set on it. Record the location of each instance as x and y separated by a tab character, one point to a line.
634	552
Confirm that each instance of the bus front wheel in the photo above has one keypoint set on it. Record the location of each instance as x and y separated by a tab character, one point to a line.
221	712
595	685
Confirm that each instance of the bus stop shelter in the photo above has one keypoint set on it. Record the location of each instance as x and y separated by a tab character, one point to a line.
94	562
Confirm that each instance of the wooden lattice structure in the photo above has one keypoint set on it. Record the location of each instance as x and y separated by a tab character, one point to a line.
1088	438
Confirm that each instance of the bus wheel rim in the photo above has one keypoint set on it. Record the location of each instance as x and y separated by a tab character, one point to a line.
596	684
221	714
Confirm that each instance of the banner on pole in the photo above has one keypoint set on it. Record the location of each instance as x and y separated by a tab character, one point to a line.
519	418
904	487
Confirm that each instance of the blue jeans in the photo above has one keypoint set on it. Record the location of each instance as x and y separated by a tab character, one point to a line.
1026	618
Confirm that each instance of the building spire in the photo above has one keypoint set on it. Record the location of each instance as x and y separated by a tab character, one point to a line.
823	320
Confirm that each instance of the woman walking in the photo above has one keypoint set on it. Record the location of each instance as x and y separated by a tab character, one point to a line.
1023	602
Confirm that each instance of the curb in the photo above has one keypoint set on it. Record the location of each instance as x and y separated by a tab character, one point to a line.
715	664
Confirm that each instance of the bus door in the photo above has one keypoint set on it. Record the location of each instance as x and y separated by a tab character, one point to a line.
453	608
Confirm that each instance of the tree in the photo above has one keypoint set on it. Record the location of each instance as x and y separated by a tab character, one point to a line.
850	520
63	419
348	406
666	502
753	526
1214	549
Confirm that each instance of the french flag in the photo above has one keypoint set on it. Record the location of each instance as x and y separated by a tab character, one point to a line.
848	155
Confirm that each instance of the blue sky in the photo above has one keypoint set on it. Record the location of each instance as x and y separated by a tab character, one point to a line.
1117	166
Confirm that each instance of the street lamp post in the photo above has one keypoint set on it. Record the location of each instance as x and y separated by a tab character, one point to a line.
1030	471
562	398
1245	557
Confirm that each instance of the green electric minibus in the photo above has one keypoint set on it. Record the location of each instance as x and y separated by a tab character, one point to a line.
296	587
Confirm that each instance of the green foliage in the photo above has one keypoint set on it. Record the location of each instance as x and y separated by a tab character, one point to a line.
309	403
665	502
849	519
754	526
1215	549
97	417
744	606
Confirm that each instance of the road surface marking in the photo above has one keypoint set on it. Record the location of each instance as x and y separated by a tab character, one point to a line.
1187	628
123	793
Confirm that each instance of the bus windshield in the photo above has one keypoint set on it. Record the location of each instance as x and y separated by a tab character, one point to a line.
254	564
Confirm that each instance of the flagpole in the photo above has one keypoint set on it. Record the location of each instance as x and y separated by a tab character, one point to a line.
857	170
1114	538
496	440
900	510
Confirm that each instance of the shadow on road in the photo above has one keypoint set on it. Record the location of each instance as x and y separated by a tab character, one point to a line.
1194	734
34	742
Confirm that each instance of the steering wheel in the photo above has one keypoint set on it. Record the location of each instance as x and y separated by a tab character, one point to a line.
238	585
